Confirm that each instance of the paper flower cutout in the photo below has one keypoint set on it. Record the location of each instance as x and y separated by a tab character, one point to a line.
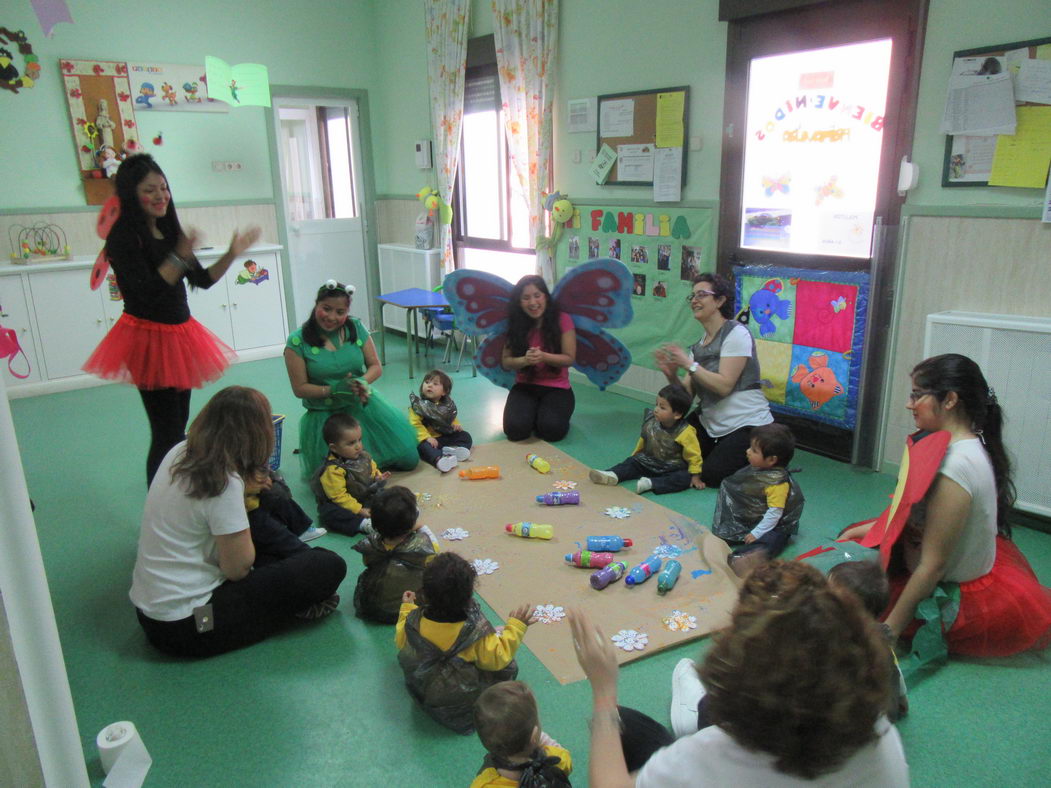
550	614
679	621
455	534
564	485
666	551
630	640
618	512
485	566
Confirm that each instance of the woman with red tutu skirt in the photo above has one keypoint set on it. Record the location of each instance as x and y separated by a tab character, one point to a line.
156	345
946	534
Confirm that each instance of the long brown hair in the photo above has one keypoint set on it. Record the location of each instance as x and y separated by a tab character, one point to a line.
233	434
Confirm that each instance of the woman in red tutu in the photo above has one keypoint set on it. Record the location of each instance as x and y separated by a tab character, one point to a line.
954	540
156	345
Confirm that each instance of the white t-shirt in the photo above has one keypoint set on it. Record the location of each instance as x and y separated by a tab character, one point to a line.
177	566
739	408
967	464
712	757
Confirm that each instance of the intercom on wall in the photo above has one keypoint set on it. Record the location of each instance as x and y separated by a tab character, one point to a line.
423	154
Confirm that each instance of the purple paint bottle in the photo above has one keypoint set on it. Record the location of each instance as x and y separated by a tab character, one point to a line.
559	498
611	573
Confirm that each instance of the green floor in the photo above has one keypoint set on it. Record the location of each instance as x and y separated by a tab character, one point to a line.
324	705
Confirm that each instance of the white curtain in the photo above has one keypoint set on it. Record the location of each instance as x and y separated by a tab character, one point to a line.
526	33
446	27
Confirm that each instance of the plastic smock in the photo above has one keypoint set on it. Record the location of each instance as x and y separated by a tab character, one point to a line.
708	357
388	574
660	453
360	484
742	502
438	416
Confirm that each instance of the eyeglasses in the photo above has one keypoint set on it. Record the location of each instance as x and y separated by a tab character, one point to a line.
917	395
696	295
332	284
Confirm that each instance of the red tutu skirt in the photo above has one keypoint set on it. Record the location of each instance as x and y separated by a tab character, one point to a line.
1001	613
160	355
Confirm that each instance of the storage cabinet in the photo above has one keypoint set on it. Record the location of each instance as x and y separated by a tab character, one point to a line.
244	312
16	315
402	267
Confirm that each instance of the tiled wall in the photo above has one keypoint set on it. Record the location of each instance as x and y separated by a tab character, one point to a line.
396	220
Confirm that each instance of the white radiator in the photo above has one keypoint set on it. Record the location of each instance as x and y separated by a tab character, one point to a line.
1014	352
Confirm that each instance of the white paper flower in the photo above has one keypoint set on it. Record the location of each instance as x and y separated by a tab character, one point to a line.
485	566
666	551
630	640
564	485
550	614
618	512
679	621
455	534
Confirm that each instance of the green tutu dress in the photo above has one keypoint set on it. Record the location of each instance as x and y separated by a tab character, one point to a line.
385	429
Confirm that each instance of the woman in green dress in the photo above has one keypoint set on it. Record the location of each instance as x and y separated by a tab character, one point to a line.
331	362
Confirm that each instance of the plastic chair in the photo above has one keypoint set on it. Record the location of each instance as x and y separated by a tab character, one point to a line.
442	321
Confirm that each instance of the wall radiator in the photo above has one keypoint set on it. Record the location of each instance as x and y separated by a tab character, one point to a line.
1014	352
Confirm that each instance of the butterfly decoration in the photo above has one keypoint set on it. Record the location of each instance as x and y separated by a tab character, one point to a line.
771	185
595	294
838	304
828	189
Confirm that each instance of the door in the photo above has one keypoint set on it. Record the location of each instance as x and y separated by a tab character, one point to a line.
320	158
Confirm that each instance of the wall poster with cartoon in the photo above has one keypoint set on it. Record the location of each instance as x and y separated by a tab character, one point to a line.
809	329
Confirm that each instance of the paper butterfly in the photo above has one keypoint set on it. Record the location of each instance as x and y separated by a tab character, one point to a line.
780	185
595	294
828	190
630	640
839	304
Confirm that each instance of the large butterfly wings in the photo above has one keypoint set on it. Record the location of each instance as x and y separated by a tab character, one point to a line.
479	301
489	361
597	292
601	356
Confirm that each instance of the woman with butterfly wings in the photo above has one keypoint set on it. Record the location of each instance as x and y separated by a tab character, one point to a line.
532	337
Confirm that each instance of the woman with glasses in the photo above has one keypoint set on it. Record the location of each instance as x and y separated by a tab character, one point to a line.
953	533
331	362
722	369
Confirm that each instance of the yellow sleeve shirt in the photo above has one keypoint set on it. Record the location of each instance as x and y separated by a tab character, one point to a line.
691	449
334	483
422	431
777	495
493	652
491	778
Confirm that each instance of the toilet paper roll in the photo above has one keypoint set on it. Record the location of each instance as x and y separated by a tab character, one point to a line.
124	757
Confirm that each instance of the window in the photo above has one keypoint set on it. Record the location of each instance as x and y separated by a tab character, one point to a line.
318	189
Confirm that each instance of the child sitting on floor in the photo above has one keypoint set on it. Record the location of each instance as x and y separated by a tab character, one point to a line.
395	553
443	441
667	457
448	650
519	753
278	524
760	504
347	479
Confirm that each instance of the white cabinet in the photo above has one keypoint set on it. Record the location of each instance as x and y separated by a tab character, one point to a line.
402	267
16	316
245	309
71	319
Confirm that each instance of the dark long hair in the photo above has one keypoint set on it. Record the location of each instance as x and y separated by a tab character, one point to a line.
312	333
721	286
521	323
132	221
953	372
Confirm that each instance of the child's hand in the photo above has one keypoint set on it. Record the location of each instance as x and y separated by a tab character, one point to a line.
433	442
524	613
365	512
408	597
696	482
384	476
749	539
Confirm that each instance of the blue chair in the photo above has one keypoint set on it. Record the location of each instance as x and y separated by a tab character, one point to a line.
442	323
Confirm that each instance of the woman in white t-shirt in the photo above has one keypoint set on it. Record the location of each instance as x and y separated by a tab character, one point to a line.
722	369
194	586
959	532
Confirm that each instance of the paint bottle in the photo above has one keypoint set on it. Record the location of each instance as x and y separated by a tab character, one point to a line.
610	573
589	559
539	463
668	577
640	573
481	472
531	530
612	543
558	498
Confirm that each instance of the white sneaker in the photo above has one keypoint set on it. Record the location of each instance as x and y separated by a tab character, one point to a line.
686	693
312	533
602	477
365	526
644	485
461	453
446	463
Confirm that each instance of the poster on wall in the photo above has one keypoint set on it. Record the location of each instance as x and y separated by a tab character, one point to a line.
169	87
664	248
812	152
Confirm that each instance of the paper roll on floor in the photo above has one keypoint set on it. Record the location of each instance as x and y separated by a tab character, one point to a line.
124	757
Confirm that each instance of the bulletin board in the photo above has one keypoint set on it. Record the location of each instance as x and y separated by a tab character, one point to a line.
968	159
644	131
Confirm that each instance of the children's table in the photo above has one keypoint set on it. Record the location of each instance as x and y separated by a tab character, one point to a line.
411	300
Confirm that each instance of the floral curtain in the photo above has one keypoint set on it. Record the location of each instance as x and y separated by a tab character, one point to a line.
446	29
526	34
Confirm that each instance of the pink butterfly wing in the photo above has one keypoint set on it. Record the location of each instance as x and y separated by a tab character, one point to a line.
601	356
597	292
478	300
488	359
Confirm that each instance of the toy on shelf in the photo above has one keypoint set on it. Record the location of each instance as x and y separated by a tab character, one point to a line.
640	573
531	530
588	559
612	543
610	573
481	472
668	577
559	498
538	463
42	242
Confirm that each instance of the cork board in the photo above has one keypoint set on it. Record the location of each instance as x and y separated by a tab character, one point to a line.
643	105
534	571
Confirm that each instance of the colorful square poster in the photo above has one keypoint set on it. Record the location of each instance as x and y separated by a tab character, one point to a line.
825	315
818	382
775	364
770	301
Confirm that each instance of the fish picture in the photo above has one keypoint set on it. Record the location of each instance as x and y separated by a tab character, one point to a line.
765	304
818	383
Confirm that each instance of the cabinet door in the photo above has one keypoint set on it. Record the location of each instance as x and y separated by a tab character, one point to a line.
211	308
255	302
70	319
14	314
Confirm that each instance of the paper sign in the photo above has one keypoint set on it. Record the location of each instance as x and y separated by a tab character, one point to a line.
243	85
670	108
604	160
618	118
667	175
582	114
170	87
1022	159
635	163
1034	81
979	105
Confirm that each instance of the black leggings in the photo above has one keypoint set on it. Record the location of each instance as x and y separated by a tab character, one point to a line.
168	410
722	456
544	410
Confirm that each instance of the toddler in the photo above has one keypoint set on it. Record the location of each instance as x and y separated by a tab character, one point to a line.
448	650
396	550
443	442
347	479
760	504
667	457
519	753
278	524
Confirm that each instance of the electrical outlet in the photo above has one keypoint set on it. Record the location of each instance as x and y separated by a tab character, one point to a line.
218	166
227	166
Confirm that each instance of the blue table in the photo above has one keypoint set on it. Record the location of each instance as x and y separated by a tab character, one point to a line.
411	300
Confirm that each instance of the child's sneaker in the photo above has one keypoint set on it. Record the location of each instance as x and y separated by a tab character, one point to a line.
312	533
602	477
686	693
643	485
320	609
461	453
446	463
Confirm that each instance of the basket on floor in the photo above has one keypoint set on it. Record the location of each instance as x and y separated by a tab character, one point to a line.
275	458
